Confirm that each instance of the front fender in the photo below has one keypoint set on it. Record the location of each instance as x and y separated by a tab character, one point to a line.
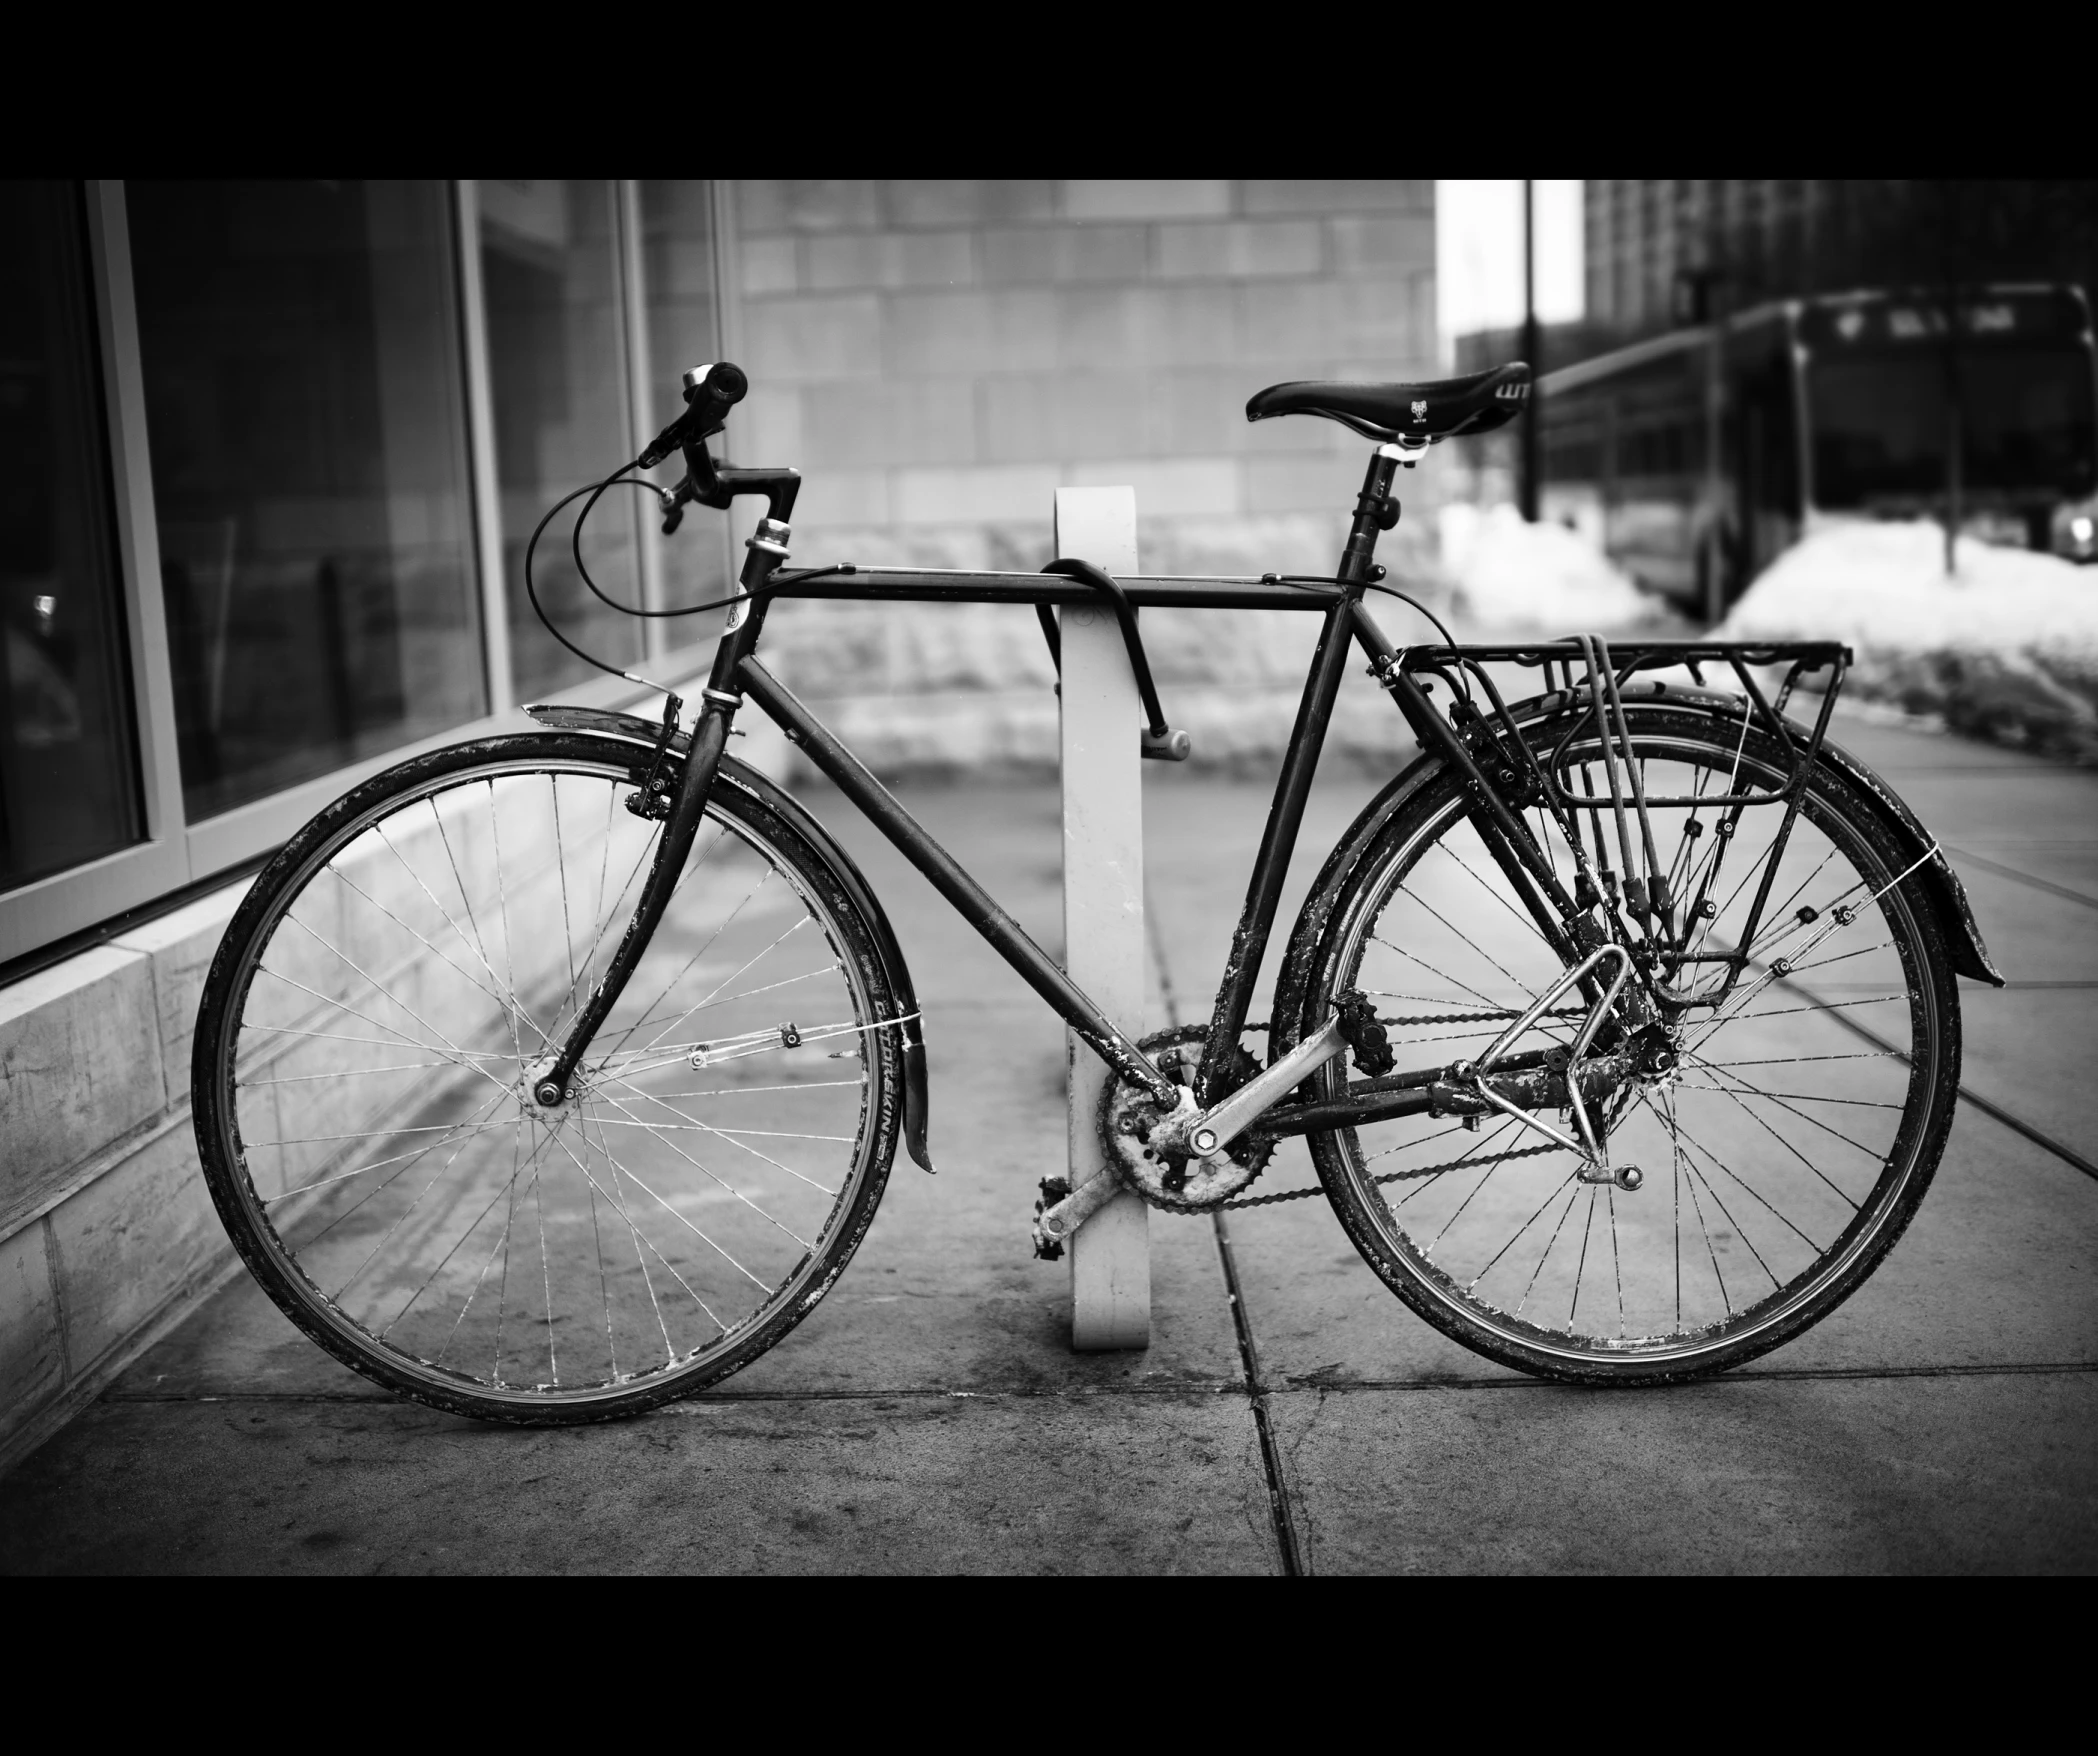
916	1099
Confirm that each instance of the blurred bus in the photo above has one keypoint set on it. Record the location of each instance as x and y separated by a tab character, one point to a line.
1695	458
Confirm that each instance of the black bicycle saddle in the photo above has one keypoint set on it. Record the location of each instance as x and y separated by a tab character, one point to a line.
1443	409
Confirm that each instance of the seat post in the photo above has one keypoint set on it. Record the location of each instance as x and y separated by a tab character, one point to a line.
1375	510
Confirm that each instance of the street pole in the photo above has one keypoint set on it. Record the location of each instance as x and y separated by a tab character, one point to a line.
1531	350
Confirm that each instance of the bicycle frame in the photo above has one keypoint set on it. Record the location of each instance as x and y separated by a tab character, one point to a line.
1345	621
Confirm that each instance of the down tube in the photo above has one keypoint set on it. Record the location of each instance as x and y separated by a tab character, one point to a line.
970	900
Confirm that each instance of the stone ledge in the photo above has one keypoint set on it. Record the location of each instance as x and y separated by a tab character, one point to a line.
182	945
24	1428
80	1065
128	1240
20	1209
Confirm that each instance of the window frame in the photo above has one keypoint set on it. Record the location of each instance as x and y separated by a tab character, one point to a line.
175	852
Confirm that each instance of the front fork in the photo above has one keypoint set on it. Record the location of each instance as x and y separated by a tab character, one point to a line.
767	548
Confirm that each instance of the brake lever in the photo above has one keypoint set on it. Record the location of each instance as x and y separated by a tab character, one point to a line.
673	504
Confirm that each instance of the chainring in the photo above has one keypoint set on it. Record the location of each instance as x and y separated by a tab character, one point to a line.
1128	1115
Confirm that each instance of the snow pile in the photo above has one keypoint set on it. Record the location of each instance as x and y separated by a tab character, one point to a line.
2006	646
1508	573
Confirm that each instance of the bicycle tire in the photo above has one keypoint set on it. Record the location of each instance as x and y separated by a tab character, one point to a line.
1412	841
479	991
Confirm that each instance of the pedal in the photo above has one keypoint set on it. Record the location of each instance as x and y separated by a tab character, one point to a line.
1054	1192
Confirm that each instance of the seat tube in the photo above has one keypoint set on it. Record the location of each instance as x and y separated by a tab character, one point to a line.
1293	786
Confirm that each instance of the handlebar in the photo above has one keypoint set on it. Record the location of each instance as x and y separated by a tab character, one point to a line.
710	392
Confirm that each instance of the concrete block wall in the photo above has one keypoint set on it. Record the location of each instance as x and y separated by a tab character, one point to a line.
106	1232
939	357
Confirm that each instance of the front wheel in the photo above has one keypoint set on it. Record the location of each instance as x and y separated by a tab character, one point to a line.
363	1084
1785	1137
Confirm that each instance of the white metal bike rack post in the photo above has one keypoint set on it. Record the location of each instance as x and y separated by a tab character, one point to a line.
1103	824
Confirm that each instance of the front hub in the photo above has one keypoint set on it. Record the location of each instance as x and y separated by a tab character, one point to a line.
546	1094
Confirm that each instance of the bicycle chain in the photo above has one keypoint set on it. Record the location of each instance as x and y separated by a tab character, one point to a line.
1427	1170
1482	1017
1455	1164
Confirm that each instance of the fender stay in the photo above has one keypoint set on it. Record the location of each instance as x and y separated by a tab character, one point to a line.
1970	957
916	1098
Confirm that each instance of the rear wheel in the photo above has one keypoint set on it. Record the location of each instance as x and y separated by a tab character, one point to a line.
1783	1150
363	1089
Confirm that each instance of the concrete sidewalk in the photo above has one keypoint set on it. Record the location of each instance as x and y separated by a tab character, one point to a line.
931	1417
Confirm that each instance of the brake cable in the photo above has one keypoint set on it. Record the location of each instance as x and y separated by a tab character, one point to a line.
596	491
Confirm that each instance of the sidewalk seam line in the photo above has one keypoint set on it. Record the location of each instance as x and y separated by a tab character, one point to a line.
1279	1513
1270	1452
2068	1155
2025	878
1776	1375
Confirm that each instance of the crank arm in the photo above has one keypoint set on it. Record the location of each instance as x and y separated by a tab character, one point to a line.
1212	1130
1058	1223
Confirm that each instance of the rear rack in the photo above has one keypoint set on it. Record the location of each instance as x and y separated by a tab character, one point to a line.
1596	699
1624	662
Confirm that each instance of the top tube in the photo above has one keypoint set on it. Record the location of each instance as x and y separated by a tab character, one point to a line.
948	585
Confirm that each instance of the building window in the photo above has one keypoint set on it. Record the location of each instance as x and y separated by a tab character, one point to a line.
305	404
69	784
270	453
683	329
551	270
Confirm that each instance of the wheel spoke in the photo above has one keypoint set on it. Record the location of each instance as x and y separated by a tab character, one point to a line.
656	1130
1815	1121
1410	957
1711	1158
1573	1194
1495	1165
620	1251
642	1237
709	997
349	963
1519	1230
1513	1249
689	963
506	1001
487	1261
617	1196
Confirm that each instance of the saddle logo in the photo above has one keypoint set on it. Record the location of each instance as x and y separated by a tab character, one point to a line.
1420	410
1512	392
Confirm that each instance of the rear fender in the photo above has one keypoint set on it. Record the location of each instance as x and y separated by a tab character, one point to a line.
916	1106
1970	957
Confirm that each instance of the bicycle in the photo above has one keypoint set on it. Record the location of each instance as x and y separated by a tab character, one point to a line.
548	1077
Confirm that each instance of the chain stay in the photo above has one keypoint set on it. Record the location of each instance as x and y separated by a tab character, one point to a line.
1455	1164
